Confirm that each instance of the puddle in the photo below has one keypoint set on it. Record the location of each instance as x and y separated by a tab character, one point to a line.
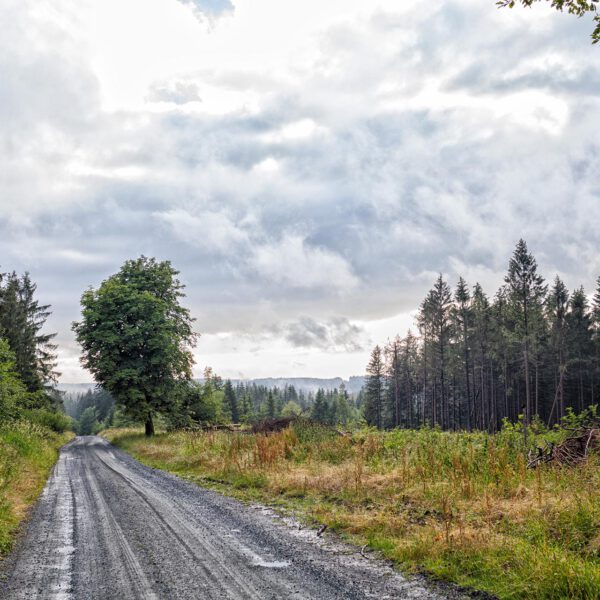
276	564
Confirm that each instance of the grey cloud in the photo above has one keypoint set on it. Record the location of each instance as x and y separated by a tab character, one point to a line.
338	335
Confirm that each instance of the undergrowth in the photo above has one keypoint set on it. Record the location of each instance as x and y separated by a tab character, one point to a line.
461	506
27	452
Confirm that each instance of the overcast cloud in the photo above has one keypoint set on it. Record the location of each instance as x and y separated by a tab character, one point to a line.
309	167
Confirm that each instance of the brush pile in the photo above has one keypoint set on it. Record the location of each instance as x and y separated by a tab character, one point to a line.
273	425
574	450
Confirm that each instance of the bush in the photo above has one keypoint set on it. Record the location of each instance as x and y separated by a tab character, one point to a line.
56	421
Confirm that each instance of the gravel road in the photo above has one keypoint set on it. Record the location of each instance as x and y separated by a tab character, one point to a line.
107	527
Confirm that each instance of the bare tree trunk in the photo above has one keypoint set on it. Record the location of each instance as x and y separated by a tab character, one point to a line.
527	414
149	426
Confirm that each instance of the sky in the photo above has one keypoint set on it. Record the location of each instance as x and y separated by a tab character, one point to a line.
308	167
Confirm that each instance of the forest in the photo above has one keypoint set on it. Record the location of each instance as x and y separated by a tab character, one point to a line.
530	353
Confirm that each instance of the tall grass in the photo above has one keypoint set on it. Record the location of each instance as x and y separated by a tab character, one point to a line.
462	506
27	452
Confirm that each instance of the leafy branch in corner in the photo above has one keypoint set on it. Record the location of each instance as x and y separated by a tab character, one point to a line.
573	7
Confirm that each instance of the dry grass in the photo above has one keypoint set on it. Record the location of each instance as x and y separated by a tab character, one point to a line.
460	506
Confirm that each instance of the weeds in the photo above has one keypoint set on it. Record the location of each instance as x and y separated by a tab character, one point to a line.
27	452
462	506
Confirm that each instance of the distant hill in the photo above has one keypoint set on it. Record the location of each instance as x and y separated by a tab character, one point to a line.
308	384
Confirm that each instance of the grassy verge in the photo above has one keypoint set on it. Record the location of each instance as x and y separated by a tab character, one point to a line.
462	507
27	453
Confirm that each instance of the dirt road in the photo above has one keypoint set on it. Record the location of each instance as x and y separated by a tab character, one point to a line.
107	527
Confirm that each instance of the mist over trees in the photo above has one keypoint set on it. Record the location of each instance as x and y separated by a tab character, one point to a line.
532	352
214	401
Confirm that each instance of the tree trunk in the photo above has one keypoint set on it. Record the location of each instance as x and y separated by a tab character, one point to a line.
527	414
149	426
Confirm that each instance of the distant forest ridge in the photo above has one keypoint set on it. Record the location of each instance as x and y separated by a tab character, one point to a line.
307	384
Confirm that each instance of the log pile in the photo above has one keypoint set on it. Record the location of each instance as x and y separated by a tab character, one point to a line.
273	425
574	450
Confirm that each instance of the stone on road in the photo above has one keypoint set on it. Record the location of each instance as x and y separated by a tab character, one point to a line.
107	527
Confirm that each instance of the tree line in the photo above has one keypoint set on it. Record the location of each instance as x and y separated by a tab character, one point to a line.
27	353
216	401
532	352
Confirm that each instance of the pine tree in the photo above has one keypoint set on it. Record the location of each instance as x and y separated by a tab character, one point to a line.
392	414
436	319
22	320
557	306
271	408
579	323
374	389
527	292
230	403
463	318
320	409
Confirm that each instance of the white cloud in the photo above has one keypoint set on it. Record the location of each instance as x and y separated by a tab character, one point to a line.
295	160
214	232
295	264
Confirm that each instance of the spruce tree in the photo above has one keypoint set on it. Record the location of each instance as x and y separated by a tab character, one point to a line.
22	320
527	293
230	403
462	296
320	409
374	389
579	324
557	306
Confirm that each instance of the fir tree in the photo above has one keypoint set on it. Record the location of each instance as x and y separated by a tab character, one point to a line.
374	389
527	292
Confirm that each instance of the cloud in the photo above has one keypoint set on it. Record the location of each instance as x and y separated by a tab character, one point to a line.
213	232
295	161
337	335
295	264
177	92
213	8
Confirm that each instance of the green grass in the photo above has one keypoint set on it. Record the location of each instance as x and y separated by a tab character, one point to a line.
460	506
27	453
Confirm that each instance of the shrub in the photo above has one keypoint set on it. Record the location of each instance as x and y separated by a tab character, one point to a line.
56	421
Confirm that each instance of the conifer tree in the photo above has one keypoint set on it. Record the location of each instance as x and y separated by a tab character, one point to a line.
374	389
557	306
271	408
527	291
22	319
462	313
230	403
579	322
320	409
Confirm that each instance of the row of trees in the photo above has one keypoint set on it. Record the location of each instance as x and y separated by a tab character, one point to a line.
27	353
531	351
215	401
91	411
